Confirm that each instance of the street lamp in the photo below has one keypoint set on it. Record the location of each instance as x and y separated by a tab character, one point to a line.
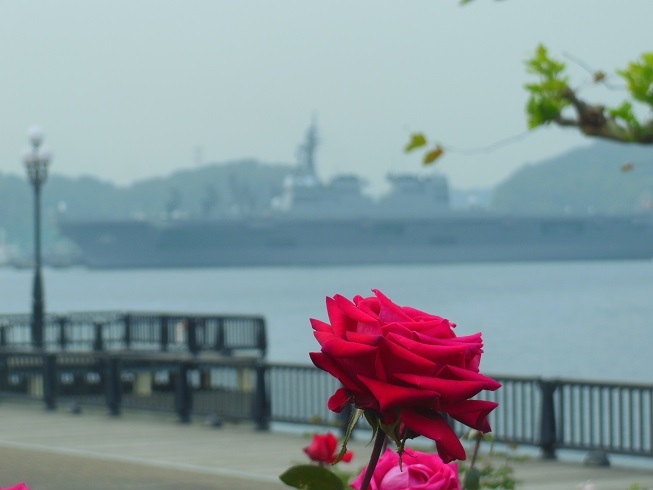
36	160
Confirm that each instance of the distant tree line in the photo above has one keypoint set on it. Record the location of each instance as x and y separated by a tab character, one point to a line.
236	188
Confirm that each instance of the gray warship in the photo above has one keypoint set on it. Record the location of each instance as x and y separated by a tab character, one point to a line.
334	223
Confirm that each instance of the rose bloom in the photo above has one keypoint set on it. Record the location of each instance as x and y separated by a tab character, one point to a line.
404	365
18	486
323	449
419	471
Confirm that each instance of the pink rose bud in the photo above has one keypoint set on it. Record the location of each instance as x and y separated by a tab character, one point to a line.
18	486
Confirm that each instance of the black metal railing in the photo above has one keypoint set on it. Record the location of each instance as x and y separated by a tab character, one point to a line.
550	414
614	417
136	331
230	388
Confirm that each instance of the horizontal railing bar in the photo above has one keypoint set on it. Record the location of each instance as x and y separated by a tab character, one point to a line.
228	334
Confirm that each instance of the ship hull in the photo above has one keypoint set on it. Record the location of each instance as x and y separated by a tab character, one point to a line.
285	242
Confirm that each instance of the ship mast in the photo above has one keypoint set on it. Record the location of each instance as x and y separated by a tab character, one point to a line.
306	152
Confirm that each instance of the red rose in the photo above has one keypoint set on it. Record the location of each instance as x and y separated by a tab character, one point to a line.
405	366
419	471
323	449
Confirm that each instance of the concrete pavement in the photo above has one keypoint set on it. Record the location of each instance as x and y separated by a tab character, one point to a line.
61	451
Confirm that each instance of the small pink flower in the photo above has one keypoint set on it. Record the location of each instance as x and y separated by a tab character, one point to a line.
420	471
323	449
17	486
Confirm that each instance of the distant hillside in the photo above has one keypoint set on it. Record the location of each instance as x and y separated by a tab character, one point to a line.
583	180
245	186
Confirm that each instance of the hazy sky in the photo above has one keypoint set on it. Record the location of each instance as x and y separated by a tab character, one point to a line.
128	89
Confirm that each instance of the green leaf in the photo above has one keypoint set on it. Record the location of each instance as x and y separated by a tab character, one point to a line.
626	114
373	420
433	155
639	78
311	477
353	420
547	96
417	140
391	430
542	64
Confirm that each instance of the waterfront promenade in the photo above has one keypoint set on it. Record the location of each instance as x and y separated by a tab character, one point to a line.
59	450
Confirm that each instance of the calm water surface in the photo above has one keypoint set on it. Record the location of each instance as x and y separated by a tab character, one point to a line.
590	320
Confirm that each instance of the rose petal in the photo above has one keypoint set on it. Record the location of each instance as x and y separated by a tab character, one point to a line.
338	400
320	326
398	359
472	413
456	373
451	390
327	364
390	312
392	396
352	311
342	348
433	426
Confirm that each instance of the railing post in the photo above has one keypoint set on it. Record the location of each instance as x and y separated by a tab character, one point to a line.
261	399
184	394
191	335
3	335
219	335
261	337
50	381
3	371
62	320
163	337
127	322
113	386
98	339
548	433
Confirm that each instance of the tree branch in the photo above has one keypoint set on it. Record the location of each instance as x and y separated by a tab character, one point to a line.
592	120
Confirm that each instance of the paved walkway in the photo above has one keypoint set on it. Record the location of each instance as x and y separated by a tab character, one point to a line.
61	451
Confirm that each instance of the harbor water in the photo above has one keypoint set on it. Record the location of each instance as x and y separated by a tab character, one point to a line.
586	320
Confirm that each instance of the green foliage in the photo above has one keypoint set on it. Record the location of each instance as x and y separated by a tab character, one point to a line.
639	78
624	113
472	479
312	477
487	474
547	96
417	140
484	471
551	94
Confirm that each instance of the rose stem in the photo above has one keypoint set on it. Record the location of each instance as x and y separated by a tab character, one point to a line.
476	446
374	458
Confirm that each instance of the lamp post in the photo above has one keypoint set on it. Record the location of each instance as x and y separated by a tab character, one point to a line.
36	160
